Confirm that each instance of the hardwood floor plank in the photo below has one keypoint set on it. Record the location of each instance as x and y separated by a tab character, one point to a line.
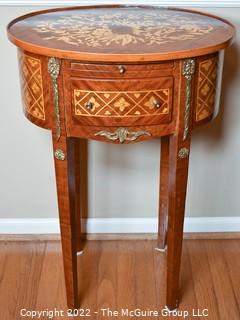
29	274
226	299
187	295
49	281
4	284
107	276
20	277
231	255
126	280
126	274
144	269
202	282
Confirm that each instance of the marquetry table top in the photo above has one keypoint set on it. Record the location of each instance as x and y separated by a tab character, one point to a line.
115	33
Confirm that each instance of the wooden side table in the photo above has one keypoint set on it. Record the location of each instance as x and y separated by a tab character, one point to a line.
121	74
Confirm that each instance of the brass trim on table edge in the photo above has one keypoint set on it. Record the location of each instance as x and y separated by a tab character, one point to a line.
122	134
188	70
54	70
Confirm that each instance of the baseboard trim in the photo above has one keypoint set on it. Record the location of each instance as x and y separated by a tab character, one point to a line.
118	225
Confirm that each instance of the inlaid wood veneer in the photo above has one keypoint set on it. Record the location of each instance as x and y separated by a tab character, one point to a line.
32	85
121	104
206	87
120	74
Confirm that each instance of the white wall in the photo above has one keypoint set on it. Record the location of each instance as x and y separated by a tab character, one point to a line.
123	178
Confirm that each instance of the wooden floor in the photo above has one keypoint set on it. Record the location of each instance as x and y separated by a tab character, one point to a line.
120	274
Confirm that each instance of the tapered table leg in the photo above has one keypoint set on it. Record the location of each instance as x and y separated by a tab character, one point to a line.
65	167
178	174
163	199
81	176
179	148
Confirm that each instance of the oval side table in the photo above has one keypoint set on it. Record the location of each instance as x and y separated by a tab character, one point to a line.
121	74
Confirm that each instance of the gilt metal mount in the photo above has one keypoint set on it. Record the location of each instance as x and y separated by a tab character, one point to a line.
183	153
54	70
122	134
188	71
59	154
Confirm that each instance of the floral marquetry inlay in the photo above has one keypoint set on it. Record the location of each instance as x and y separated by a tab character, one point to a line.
120	33
122	28
120	104
32	88
206	88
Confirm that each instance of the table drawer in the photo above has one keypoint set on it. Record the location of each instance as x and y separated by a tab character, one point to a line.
122	102
122	71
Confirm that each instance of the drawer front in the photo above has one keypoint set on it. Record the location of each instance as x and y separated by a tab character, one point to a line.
122	71
122	102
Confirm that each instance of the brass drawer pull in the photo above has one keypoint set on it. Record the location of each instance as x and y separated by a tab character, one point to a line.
89	105
122	134
121	69
157	104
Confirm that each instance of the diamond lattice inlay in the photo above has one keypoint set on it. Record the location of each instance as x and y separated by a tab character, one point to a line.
206	88
32	89
121	104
